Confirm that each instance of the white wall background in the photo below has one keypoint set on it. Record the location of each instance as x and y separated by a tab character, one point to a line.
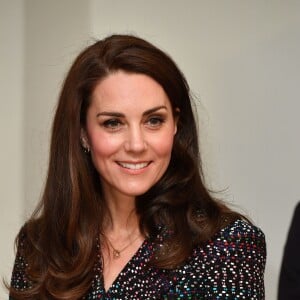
241	59
11	127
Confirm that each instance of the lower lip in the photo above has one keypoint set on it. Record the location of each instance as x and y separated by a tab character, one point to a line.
134	171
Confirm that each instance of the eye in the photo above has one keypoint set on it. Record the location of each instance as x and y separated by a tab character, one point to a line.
155	121
112	124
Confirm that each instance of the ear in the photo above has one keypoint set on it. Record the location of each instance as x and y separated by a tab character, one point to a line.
176	118
84	140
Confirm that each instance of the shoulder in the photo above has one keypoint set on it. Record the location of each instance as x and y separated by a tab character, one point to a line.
240	231
297	210
289	280
238	238
21	240
293	237
295	224
19	280
240	246
233	262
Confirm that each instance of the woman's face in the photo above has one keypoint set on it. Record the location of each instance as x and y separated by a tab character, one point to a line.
130	130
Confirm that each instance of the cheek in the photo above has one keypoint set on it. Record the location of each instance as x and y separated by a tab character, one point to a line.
103	146
164	146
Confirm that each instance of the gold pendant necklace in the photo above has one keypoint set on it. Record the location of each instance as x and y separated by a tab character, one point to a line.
116	253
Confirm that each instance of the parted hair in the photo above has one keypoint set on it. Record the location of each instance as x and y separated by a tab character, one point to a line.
60	241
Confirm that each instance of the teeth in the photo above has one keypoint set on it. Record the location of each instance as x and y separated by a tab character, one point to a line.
133	166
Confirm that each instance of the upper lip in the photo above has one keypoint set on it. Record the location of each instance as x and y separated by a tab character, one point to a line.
141	164
133	161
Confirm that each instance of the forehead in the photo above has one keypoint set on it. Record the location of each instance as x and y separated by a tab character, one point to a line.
125	89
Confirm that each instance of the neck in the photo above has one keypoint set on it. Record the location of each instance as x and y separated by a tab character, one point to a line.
123	219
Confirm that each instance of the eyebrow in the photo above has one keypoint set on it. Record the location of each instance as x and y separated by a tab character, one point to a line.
120	115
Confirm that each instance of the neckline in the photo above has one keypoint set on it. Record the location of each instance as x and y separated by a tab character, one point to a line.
123	272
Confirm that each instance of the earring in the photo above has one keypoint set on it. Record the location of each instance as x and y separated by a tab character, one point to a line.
85	146
86	150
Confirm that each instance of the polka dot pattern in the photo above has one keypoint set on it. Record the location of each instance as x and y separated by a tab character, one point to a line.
229	266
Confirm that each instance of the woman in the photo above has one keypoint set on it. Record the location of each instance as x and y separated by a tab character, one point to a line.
125	213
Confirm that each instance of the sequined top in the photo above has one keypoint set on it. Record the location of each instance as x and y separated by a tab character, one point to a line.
229	266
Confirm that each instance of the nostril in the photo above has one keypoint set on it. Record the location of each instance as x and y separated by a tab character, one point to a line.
135	146
135	141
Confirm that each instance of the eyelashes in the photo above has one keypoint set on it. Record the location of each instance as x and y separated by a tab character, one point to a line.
115	124
112	124
155	121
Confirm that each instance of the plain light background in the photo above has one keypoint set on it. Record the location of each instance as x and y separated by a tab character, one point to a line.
241	59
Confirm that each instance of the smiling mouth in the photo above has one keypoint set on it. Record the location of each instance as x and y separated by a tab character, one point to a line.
134	166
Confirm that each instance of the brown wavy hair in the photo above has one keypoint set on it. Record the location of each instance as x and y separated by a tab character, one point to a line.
60	240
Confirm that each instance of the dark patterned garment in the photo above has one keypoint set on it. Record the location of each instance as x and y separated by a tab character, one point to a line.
229	266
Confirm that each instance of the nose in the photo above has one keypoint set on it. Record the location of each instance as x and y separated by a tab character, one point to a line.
135	141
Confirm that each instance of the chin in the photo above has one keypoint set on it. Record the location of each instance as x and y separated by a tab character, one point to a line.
136	192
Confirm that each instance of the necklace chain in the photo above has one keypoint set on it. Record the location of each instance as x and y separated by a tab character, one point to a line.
117	252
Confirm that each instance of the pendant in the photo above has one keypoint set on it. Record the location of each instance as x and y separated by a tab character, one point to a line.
116	254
